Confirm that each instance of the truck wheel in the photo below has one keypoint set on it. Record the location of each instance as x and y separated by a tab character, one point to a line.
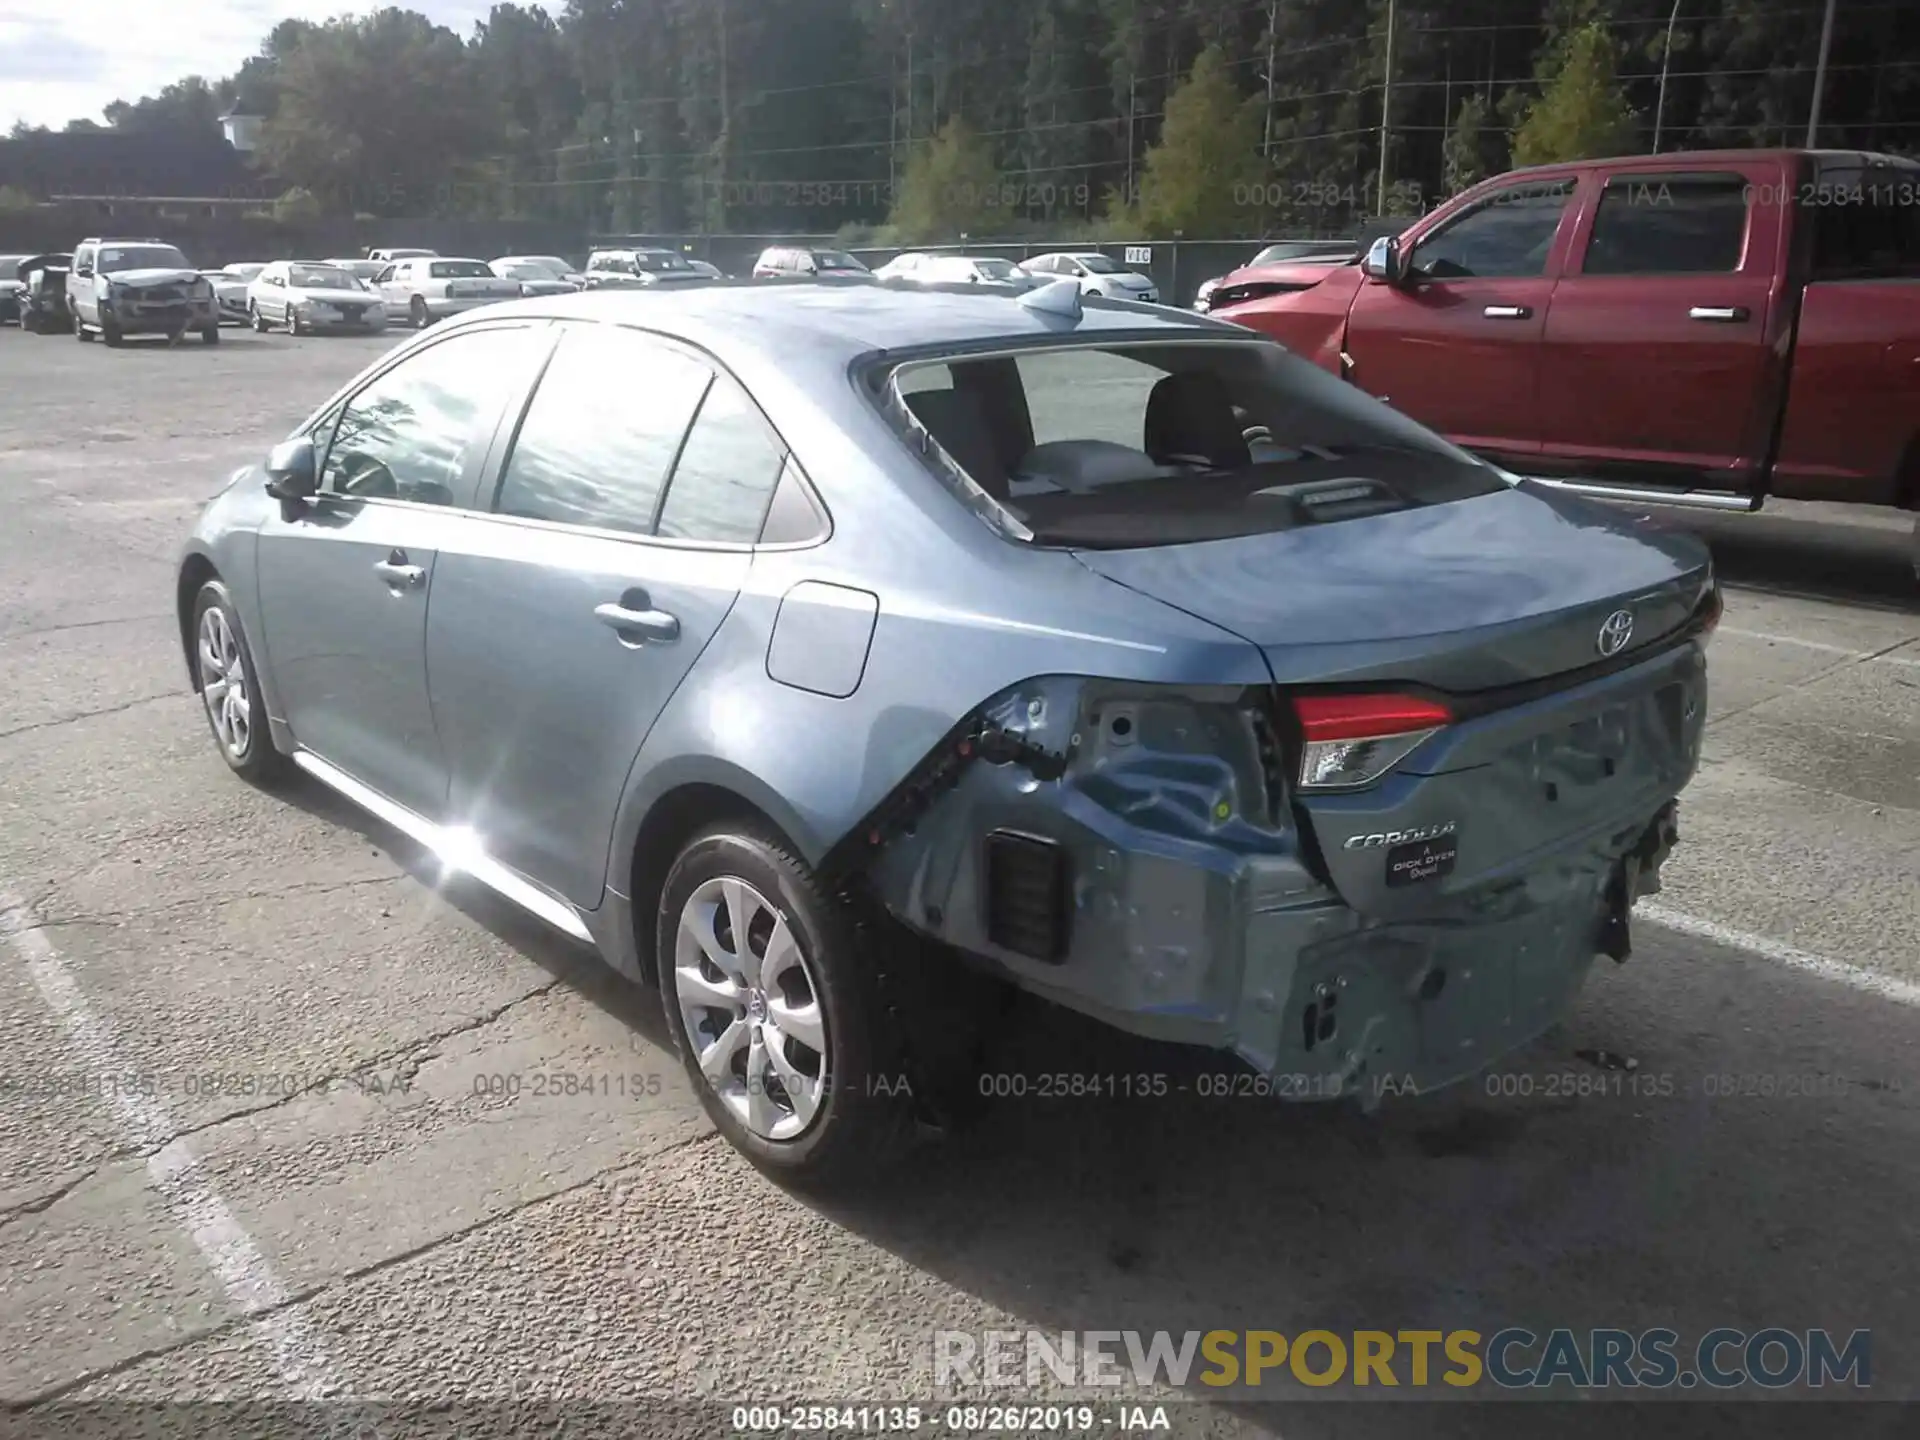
778	1010
417	311
210	335
256	319
110	333
81	333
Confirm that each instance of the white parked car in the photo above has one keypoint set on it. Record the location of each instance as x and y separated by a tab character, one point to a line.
1096	274
309	295
627	269
553	264
361	269
387	254
230	284
426	289
535	275
905	266
990	272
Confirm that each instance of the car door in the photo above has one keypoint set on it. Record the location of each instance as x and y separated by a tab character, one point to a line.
1659	349
1456	342
391	283
562	622
274	299
80	291
344	579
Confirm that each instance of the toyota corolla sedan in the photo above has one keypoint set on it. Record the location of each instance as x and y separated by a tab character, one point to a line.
831	657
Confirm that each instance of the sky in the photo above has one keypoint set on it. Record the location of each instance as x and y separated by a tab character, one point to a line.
61	60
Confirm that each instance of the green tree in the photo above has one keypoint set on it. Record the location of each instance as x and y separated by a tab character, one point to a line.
1581	112
1466	160
380	114
950	187
1204	176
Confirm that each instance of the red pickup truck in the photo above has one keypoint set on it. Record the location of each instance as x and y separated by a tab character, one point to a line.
1705	328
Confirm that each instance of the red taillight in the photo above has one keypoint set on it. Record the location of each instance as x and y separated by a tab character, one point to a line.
1352	740
1366	717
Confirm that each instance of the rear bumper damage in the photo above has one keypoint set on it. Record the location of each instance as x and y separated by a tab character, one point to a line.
1136	857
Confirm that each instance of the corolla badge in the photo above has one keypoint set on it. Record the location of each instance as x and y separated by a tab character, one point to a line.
1615	632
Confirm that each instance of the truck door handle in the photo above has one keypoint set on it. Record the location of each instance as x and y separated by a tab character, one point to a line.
399	574
636	621
1508	312
1723	314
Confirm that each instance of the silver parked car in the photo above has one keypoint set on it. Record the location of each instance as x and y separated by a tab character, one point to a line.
630	269
536	277
431	288
1263	719
306	295
230	284
1095	274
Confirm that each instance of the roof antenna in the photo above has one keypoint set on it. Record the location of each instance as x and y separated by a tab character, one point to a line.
1058	297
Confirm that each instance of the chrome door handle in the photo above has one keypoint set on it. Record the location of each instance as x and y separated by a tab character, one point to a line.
1508	312
1724	314
400	575
644	624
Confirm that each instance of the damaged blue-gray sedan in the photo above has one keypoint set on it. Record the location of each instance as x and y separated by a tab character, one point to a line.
812	649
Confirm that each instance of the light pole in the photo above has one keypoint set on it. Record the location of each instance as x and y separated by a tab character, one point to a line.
1666	59
1386	109
1820	76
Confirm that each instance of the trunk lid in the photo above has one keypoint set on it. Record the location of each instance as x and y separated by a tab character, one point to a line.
1493	606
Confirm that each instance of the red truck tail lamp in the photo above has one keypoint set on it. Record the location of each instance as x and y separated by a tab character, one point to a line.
1352	740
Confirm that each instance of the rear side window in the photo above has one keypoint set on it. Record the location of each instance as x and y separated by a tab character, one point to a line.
726	473
1669	225
1507	235
601	434
460	270
1866	222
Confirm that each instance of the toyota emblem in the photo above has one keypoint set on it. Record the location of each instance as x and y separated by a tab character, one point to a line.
1615	633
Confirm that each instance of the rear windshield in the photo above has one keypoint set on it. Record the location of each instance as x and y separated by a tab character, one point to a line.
461	270
1098	264
1132	445
995	269
321	277
835	260
113	258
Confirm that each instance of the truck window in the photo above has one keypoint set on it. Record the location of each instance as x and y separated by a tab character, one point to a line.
1508	234
1669	225
1875	233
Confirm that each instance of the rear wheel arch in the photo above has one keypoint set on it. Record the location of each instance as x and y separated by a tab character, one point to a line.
671	821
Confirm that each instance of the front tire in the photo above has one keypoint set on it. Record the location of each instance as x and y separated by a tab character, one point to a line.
210	335
82	334
777	1010
230	690
417	312
110	333
256	319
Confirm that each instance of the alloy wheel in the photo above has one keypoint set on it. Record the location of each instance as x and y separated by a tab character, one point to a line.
223	683
751	1008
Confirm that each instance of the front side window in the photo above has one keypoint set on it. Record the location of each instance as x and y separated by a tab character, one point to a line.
1669	225
1507	235
726	471
1139	445
410	433
601	434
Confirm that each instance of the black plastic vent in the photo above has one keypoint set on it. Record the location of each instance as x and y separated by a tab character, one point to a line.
1027	893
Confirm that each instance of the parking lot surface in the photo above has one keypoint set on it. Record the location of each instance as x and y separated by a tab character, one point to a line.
390	1139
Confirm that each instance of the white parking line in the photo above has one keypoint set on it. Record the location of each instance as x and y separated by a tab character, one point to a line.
1854	977
173	1168
1821	645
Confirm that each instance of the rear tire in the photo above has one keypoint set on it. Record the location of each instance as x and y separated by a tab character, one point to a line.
210	335
229	688
417	312
799	995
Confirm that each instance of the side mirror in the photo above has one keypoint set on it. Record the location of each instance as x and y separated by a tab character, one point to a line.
292	472
1384	261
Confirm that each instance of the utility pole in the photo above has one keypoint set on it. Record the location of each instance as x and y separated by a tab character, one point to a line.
1266	133
1386	111
1130	79
1666	59
1820	76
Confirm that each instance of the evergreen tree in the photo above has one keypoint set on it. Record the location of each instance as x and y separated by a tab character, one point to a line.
1204	177
951	188
1581	112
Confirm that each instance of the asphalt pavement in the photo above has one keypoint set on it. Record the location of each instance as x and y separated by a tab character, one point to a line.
284	1116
